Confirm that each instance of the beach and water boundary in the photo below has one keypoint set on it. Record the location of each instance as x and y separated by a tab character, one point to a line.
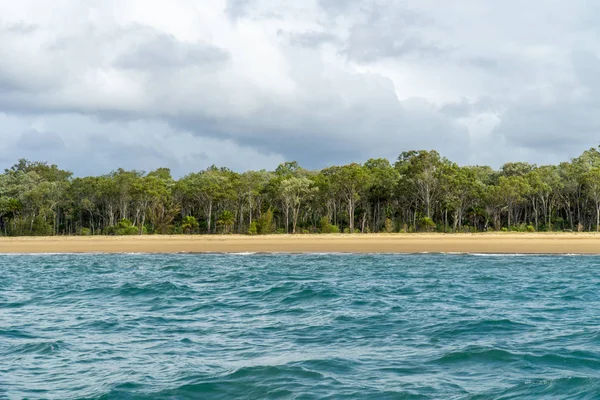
486	243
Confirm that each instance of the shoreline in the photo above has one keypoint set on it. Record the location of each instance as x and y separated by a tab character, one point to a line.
478	243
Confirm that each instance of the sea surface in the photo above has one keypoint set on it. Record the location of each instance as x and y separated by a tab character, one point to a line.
280	326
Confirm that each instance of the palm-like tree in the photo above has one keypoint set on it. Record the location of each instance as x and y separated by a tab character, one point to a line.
226	220
189	224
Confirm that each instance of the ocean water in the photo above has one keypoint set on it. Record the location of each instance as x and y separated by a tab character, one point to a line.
331	326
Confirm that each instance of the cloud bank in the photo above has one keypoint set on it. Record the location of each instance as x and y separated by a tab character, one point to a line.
250	83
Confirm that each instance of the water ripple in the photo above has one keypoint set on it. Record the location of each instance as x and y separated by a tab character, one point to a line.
320	326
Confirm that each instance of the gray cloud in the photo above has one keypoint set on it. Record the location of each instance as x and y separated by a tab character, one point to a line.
40	141
337	7
238	8
312	38
164	51
20	28
387	33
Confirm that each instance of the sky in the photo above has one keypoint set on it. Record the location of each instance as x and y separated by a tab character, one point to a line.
247	84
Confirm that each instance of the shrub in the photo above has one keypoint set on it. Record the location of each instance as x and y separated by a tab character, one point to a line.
504	229
253	228
426	224
189	224
41	228
327	227
265	223
530	228
85	232
123	228
389	225
226	221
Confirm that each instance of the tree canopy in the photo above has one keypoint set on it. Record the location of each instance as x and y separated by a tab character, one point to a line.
421	191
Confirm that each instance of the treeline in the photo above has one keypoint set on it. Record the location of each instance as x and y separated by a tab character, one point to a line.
420	192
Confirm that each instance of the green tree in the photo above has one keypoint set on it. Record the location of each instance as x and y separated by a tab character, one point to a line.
421	171
351	182
512	191
226	220
592	182
294	191
189	224
207	188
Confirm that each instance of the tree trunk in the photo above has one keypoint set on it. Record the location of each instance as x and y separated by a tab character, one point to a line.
364	221
143	222
295	214
209	215
351	216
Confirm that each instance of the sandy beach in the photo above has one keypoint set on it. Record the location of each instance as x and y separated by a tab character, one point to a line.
536	243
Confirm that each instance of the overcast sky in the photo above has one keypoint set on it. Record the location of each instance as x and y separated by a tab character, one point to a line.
95	85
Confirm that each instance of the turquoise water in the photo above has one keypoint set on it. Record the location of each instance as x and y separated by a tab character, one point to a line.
299	326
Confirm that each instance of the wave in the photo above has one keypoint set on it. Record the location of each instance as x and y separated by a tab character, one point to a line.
479	355
38	348
574	387
307	379
15	334
160	288
529	254
574	360
477	327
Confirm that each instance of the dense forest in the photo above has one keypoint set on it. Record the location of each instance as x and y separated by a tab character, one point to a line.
420	192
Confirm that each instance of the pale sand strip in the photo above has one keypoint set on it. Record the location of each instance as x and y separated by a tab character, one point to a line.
562	243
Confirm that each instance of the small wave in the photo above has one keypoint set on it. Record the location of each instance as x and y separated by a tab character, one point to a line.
15	334
262	382
15	304
309	294
161	288
478	327
571	359
575	387
38	347
485	355
53	254
531	254
100	325
503	255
